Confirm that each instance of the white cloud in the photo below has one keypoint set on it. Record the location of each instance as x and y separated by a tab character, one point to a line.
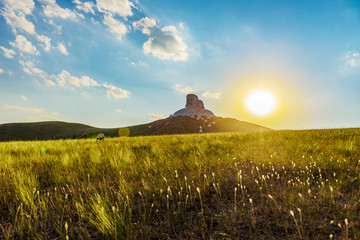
28	71
49	83
64	79
22	109
28	64
55	113
49	117
154	117
29	68
87	7
51	22
119	7
24	98
46	42
24	45
25	6
62	49
1	70
33	118
164	43
34	70
42	117
115	26
51	10
352	59
118	110
115	92
145	24
15	13
186	90
9	53
215	95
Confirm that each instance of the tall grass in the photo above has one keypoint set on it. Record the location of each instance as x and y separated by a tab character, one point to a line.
282	184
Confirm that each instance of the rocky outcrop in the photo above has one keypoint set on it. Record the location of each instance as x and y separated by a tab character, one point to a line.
194	108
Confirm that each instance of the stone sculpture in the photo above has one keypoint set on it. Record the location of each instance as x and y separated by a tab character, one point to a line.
194	107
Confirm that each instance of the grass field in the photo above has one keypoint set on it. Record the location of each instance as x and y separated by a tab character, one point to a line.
271	185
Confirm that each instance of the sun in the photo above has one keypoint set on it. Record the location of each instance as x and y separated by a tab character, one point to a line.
261	102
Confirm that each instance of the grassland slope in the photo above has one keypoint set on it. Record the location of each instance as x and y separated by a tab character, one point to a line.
263	185
53	130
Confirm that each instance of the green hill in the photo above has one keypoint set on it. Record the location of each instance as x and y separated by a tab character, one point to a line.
49	130
176	125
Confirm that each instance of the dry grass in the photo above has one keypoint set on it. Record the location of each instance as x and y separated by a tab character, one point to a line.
283	184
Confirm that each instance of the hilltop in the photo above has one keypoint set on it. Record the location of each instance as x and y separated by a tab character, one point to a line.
53	130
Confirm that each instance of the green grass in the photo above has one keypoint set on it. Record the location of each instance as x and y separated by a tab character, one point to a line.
271	185
176	125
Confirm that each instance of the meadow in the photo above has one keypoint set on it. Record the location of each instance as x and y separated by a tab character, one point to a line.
271	185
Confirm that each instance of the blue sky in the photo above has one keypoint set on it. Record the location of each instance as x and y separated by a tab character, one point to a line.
112	63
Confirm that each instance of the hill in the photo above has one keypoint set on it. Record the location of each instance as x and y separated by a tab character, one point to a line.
186	125
177	125
49	131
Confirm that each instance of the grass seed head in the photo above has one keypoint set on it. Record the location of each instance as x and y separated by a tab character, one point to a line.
292	213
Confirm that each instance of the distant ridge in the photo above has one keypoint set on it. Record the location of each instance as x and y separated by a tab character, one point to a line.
176	125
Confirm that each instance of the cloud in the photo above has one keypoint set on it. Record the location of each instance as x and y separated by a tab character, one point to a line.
154	117
145	24
352	59
29	68
49	117
1	70
118	110
9	53
51	22
39	115
24	45
33	118
115	92
114	26
186	90
49	83
42	117
51	10
87	7
28	64
62	49
24	98
22	109
64	79
122	8
46	42
164	43
15	13
34	70
215	95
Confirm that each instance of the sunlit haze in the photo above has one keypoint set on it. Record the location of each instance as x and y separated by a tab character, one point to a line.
128	62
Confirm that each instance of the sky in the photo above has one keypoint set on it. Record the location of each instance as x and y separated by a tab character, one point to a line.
116	63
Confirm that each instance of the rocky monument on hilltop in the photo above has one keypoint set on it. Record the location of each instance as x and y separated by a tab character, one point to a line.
193	108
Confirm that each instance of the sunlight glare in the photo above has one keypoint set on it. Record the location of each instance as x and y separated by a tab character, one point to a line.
261	102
